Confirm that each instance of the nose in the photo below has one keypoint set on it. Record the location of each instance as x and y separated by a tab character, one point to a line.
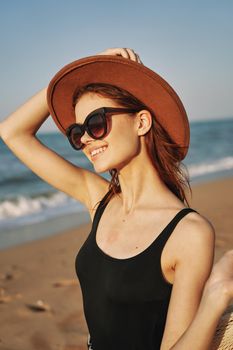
86	138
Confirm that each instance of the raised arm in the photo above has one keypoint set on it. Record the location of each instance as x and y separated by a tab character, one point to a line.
18	131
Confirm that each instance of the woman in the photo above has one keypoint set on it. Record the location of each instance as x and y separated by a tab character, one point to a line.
145	268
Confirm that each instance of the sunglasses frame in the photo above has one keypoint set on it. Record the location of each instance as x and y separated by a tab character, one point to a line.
104	111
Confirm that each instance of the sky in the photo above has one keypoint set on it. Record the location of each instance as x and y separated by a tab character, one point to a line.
188	43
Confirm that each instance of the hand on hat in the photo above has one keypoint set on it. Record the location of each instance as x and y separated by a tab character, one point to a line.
124	52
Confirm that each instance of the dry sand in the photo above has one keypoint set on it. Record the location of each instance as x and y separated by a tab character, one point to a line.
42	273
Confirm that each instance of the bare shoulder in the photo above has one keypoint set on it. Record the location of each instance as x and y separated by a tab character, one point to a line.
198	225
195	232
195	219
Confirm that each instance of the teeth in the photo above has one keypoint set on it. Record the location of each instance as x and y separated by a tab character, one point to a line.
99	150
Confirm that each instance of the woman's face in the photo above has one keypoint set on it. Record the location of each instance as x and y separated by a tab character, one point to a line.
121	143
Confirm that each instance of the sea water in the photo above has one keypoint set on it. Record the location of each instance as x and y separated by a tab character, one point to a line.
31	209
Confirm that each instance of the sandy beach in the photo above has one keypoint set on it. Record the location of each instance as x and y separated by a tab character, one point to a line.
40	296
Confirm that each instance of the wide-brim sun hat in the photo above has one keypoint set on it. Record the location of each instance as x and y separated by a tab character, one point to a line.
142	82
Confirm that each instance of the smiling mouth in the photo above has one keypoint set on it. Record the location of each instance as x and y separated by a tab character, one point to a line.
98	152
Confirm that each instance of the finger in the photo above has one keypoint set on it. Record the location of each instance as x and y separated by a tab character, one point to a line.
116	52
107	52
132	54
138	59
125	53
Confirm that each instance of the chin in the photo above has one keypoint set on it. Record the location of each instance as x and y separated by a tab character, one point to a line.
101	168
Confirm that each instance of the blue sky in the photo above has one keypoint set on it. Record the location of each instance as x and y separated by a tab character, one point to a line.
189	43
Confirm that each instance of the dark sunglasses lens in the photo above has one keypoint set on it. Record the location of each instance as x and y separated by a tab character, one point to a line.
97	125
75	137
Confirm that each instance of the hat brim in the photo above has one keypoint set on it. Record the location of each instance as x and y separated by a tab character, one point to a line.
140	81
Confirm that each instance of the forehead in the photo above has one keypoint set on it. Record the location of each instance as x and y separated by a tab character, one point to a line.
90	102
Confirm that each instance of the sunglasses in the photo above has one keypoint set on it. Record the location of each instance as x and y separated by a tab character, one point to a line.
95	125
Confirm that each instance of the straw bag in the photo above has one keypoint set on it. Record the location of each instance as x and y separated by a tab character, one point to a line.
223	338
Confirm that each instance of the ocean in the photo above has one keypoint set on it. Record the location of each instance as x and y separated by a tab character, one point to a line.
31	209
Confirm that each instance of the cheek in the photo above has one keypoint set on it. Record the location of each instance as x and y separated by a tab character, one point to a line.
123	145
125	140
128	144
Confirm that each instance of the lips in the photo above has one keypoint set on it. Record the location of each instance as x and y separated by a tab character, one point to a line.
98	151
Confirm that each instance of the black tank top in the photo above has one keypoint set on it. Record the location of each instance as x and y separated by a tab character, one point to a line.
125	301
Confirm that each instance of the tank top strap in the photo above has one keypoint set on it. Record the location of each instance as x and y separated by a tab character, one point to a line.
99	211
167	231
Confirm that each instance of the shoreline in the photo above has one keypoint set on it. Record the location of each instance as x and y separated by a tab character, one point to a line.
12	237
43	270
23	234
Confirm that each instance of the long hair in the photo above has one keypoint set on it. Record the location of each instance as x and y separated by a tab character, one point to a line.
165	155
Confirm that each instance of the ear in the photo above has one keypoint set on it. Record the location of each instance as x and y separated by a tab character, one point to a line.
144	122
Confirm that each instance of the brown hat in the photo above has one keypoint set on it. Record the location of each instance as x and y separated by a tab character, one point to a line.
140	81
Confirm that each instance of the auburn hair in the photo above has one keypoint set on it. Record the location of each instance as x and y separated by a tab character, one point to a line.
165	155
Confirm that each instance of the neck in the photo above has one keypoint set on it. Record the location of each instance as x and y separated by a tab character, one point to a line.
142	186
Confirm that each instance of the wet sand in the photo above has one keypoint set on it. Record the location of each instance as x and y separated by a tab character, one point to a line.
40	297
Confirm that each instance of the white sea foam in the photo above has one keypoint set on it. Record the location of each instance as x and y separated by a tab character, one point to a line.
31	209
23	205
210	167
